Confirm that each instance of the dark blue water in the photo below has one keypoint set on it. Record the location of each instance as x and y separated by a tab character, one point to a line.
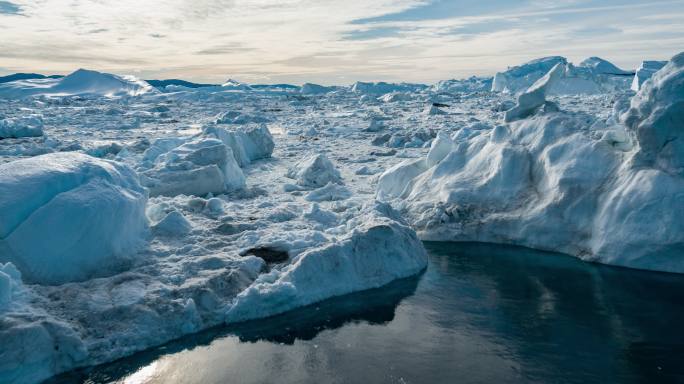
479	314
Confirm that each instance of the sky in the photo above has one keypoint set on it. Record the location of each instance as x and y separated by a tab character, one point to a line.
328	41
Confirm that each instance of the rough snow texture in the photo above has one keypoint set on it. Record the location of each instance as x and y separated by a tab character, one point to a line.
69	217
563	181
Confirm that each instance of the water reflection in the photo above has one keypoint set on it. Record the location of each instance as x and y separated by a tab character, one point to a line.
372	307
481	313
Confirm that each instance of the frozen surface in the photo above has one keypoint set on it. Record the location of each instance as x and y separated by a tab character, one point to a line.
264	198
605	189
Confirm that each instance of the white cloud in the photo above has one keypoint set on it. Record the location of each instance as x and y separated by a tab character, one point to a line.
306	40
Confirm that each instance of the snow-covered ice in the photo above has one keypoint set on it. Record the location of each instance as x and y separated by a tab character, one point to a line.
131	216
592	76
80	82
645	71
70	217
25	126
605	189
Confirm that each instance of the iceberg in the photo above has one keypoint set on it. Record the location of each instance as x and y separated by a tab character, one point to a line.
561	181
25	126
81	82
645	71
197	167
70	217
315	171
593	76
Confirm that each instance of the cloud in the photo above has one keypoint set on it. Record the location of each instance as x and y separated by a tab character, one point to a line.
330	41
224	49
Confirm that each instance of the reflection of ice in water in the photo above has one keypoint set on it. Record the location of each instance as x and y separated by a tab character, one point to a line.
276	129
193	129
143	375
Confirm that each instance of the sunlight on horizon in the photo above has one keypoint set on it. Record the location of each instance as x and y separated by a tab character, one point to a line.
328	42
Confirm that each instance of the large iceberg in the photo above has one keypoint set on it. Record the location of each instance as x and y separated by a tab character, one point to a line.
603	190
80	82
69	217
593	76
521	77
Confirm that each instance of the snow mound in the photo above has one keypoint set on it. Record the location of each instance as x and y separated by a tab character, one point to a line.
25	126
197	167
69	217
374	251
248	143
315	171
561	181
645	71
173	224
81	82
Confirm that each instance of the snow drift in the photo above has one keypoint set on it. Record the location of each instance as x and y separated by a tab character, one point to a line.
69	217
604	191
81	82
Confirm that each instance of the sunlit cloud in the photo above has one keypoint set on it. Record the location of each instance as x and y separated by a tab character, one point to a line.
328	41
